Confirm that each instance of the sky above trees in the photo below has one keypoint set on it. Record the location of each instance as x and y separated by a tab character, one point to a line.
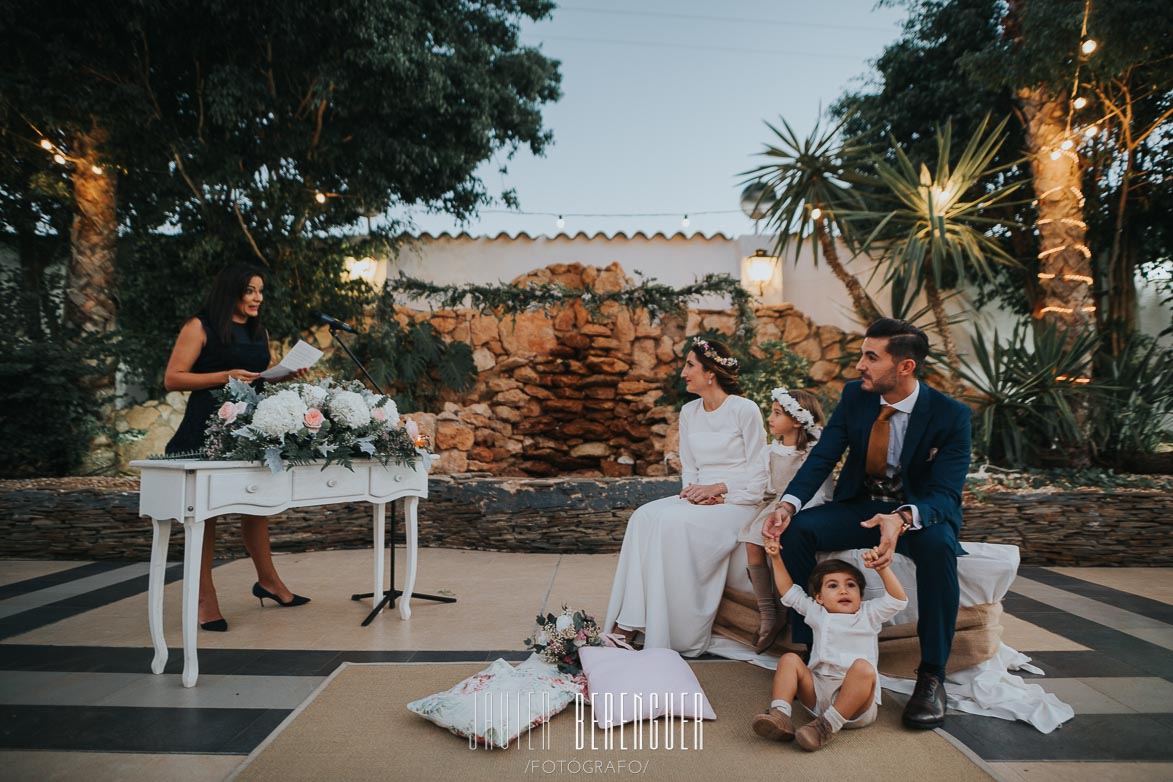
663	106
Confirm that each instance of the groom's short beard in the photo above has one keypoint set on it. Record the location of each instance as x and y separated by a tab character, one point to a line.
884	383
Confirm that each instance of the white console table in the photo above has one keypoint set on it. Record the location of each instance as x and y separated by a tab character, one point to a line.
191	492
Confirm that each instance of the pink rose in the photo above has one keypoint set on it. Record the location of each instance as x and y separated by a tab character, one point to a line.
313	419
378	414
228	412
412	429
241	407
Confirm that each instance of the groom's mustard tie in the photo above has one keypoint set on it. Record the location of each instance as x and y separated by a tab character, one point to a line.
877	462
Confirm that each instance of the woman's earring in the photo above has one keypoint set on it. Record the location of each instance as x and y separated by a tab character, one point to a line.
710	381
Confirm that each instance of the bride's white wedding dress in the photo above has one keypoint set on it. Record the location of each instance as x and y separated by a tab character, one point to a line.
675	554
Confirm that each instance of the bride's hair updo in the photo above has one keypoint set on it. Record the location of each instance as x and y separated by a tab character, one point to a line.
716	357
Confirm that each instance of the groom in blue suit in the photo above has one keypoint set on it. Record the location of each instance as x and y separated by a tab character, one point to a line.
908	452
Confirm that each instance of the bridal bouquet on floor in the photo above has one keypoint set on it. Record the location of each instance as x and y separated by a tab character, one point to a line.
298	423
559	638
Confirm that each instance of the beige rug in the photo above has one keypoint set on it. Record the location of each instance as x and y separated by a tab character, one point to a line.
357	727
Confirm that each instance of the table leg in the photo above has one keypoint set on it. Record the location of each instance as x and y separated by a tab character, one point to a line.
159	540
410	506
193	547
380	527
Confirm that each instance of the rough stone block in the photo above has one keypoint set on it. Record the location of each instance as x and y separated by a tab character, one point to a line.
528	332
452	462
451	435
607	365
590	451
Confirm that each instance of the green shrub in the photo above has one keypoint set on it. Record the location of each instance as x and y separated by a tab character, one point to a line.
1134	409
1030	410
413	363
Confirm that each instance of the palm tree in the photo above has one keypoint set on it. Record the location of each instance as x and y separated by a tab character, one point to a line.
929	227
816	180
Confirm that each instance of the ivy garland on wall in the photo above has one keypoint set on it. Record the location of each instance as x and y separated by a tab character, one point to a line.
647	294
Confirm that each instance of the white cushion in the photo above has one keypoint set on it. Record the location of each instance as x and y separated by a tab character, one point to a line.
497	704
627	685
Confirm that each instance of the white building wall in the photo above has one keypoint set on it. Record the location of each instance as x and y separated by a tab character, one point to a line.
680	260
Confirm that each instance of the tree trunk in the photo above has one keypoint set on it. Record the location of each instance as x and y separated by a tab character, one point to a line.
864	307
89	286
1065	276
938	307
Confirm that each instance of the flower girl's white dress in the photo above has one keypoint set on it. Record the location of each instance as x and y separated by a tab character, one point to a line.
675	554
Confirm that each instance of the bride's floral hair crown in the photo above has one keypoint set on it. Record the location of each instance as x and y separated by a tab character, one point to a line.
796	411
706	350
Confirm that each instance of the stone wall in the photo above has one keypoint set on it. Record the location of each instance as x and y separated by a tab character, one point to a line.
560	393
47	520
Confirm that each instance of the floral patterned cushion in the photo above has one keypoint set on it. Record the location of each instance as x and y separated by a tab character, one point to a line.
496	705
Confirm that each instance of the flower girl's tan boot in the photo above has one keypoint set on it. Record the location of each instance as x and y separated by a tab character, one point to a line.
770	624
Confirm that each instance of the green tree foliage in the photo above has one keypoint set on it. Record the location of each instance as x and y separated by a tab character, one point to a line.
920	85
48	409
959	60
285	133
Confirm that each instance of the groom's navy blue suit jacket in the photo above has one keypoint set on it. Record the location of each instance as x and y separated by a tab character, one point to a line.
934	459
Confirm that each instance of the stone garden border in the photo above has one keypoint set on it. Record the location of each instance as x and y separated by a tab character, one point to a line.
98	519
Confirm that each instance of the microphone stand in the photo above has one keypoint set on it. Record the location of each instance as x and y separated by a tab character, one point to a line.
392	594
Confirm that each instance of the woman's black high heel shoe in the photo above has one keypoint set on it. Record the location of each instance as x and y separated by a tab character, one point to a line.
216	625
260	593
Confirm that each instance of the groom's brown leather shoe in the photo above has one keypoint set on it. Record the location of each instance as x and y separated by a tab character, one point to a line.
926	708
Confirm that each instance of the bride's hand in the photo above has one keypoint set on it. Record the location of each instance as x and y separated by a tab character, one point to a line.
697	493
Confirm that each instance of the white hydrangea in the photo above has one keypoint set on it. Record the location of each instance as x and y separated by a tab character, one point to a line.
389	412
349	409
313	396
280	414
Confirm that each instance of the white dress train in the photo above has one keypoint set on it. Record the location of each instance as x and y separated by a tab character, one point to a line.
673	563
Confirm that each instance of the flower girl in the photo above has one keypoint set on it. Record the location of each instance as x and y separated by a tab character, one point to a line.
796	421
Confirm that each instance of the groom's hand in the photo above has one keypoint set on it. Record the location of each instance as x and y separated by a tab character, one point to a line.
890	525
778	521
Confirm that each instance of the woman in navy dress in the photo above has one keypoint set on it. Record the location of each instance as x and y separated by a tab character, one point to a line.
225	340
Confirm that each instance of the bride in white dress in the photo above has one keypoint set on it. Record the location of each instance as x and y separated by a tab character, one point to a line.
676	550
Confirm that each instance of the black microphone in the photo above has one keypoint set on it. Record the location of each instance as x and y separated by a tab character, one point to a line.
333	323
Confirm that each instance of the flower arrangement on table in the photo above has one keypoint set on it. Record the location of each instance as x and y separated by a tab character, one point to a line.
559	638
299	423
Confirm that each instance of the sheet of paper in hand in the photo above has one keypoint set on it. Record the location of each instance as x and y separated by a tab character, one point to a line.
302	356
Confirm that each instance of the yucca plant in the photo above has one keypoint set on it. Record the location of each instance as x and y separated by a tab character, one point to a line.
1133	421
1027	392
816	180
928	225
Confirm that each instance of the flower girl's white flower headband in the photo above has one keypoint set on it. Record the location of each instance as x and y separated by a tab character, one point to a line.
793	409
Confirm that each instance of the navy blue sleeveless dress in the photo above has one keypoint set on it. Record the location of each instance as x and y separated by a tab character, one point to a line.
243	352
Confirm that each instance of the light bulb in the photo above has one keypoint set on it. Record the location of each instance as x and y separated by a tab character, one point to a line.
1088	46
1080	102
96	169
816	213
560	223
1055	155
1067	144
1090	131
59	159
684	223
46	144
320	198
